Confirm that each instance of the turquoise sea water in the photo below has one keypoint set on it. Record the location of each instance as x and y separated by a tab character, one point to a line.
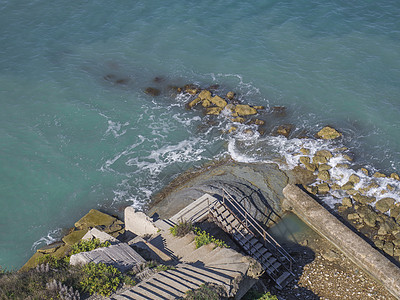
77	131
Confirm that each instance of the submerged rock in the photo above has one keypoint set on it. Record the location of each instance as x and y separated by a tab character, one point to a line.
191	89
323	188
279	111
152	91
328	133
284	130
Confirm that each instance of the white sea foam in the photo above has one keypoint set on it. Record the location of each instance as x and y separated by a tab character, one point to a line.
51	237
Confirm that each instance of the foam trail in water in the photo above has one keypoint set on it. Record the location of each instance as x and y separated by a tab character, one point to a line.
52	236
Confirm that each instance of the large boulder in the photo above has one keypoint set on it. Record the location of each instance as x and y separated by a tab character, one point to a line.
245	110
218	101
205	95
328	133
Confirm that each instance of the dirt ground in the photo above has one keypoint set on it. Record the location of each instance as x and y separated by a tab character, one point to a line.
322	272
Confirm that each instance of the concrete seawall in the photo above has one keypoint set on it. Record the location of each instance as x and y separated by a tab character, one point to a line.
348	242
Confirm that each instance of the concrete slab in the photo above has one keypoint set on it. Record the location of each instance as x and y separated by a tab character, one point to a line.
121	256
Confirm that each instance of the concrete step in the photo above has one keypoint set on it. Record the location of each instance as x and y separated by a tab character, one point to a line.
199	253
283	279
196	211
204	274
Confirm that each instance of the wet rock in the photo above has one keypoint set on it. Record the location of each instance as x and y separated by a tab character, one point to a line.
324	175
395	176
305	151
50	248
353	216
372	185
305	160
232	129
284	130
175	89
379	244
390	187
324	167
231	109
323	188
379	175
335	187
395	211
191	89
94	218
370	218
385	204
388	248
303	176
346	201
311	189
363	199
351	192
152	91
354	179
396	251
194	102
230	95
218	101
348	185
341	149
328	133
319	159
205	94
259	107
342	166
206	103
238	120
324	153
279	111
245	110
213	110
258	122
365	171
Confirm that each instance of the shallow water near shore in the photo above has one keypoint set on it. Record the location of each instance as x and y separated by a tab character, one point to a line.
77	131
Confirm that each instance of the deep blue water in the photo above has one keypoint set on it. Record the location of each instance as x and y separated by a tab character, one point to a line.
72	139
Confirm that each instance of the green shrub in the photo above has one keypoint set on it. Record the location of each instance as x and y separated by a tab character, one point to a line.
181	229
100	279
205	292
53	261
256	295
204	238
88	245
162	267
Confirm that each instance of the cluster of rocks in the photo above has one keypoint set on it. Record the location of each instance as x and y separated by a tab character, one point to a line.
93	219
382	223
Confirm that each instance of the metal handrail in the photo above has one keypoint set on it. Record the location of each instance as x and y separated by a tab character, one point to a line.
261	231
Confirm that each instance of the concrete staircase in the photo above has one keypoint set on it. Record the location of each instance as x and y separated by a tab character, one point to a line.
245	233
208	264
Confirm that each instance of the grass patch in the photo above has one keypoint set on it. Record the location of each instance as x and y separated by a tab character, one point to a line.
204	238
181	229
